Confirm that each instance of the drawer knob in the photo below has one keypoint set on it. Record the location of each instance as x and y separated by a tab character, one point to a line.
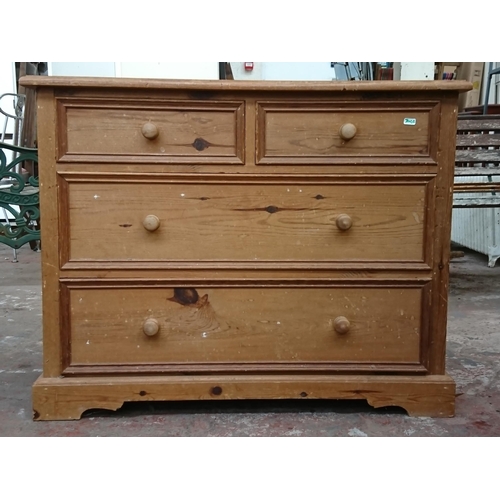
344	222
347	131
341	324
150	131
150	327
151	222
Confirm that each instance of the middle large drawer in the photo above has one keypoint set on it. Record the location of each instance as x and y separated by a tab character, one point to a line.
128	221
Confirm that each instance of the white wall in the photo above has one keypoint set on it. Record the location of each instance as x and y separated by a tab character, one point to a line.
305	71
182	70
296	71
413	71
81	69
174	70
239	72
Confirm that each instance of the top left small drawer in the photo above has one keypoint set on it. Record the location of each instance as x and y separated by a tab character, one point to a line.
145	132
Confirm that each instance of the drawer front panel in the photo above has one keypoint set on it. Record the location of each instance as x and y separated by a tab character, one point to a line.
196	325
167	133
329	134
244	223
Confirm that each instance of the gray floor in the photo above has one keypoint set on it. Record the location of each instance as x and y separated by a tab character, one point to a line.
473	361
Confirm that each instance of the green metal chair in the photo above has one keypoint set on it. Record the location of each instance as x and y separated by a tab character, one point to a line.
20	198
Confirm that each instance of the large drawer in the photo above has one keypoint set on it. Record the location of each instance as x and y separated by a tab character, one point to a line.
136	326
197	221
325	133
164	132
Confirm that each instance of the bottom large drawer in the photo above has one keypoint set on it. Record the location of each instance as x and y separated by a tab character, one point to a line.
128	327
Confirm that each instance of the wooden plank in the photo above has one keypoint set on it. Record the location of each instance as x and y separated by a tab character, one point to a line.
478	140
474	156
28	137
67	398
49	206
489	158
439	231
493	202
485	170
489	122
282	86
493	109
476	187
479	117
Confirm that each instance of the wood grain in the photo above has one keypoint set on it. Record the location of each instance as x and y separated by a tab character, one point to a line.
244	325
235	85
472	156
482	170
477	202
50	236
248	269
311	132
478	140
441	236
227	222
465	187
478	153
478	123
67	398
188	131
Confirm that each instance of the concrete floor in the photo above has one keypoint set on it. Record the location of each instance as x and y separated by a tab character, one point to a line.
473	361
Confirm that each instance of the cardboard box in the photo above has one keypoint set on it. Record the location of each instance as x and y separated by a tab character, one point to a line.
472	72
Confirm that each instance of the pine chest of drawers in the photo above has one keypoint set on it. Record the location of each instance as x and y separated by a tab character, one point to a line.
225	240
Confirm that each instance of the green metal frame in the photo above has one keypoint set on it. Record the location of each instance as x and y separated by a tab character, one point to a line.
22	193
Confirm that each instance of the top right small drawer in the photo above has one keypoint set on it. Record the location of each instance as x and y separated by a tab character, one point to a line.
341	133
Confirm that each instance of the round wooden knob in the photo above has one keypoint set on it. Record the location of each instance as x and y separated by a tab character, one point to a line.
341	324
150	327
150	131
347	131
344	222
151	222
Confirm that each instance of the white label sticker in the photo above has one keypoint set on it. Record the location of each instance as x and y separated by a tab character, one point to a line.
410	121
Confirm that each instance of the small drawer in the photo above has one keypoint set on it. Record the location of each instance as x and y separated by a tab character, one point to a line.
333	134
161	132
134	327
197	222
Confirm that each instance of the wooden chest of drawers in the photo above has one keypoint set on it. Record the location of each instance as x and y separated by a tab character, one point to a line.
219	240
